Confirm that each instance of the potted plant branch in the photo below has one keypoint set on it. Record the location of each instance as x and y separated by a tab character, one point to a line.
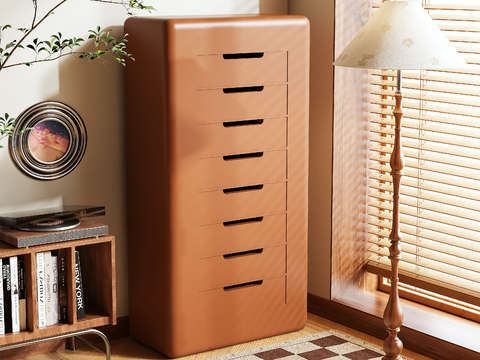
58	46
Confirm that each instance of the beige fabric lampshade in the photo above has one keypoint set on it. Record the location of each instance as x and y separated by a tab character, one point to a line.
400	35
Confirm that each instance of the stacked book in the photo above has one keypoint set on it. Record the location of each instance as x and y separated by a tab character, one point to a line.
12	295
52	287
51	291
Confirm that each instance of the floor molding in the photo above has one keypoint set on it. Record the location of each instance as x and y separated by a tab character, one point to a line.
368	324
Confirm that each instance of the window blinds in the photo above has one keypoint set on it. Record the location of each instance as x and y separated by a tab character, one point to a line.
440	191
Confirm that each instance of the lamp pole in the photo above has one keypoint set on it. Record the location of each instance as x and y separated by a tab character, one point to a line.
393	314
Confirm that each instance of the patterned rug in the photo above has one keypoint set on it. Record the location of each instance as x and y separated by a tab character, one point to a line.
332	345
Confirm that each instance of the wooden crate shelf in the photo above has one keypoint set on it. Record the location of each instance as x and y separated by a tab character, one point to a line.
97	258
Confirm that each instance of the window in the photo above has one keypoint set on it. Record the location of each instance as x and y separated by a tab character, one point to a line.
440	191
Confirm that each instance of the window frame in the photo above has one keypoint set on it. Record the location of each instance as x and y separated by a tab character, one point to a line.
352	288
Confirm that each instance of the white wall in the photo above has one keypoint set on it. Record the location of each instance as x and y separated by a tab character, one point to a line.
95	91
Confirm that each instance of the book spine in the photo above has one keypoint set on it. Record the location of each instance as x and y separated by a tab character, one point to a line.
7	296
42	321
22	294
54	289
2	310
47	259
79	287
14	292
62	286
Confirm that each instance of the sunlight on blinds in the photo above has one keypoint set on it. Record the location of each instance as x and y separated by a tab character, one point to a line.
440	192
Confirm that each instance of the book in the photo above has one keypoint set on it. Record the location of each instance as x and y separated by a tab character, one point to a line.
55	289
47	260
2	312
22	294
62	286
14	293
7	295
79	287
42	320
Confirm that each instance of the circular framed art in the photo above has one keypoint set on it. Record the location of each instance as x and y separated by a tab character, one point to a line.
54	143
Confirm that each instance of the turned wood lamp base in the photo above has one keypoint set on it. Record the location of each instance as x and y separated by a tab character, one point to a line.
393	315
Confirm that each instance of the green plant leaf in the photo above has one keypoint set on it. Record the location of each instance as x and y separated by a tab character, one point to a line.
10	44
105	45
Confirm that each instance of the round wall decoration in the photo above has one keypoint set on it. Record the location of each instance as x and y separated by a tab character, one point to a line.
54	143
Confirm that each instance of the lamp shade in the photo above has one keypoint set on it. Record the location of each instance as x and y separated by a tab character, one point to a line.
400	35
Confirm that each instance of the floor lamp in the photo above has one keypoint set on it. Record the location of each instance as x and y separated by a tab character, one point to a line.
400	35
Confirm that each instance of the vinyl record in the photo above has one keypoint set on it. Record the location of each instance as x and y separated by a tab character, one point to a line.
63	212
45	225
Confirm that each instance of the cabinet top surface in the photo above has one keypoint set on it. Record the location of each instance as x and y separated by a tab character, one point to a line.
203	19
9	250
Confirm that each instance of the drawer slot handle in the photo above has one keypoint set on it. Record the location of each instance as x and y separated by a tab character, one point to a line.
243	123
251	55
243	286
243	253
243	156
242	89
243	188
243	221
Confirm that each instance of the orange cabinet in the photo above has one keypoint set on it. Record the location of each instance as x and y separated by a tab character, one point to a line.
217	179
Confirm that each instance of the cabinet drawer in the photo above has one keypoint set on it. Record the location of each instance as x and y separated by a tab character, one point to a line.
247	233
230	137
239	267
241	69
239	169
242	202
240	298
241	102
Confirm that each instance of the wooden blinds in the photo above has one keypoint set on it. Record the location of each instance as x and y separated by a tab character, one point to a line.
440	192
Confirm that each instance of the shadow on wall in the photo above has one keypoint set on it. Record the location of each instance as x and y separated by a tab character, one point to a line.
95	90
273	6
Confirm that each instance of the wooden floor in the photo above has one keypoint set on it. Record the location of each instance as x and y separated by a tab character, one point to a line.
127	348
